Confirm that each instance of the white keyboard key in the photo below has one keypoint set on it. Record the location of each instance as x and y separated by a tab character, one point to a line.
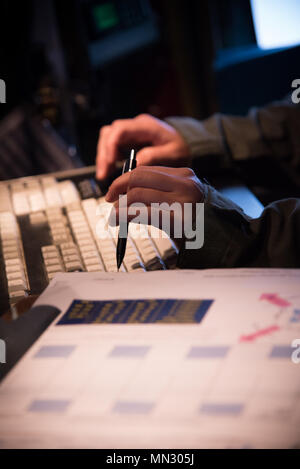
73	266
76	216
53	211
51	275
54	268
16	285
58	232
68	192
9	249
69	252
20	203
36	201
81	230
132	260
37	218
162	240
68	246
11	255
73	207
15	276
72	258
87	247
5	203
90	208
57	225
89	205
148	254
112	267
91	260
48	181
8	234
106	244
89	254
50	255
83	236
54	261
58	239
17	295
52	196
49	248
110	261
94	268
85	242
16	261
55	217
13	268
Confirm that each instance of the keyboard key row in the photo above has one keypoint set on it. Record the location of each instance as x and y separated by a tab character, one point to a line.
13	256
52	261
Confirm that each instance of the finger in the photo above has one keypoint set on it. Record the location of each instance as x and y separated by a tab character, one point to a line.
120	185
125	132
152	155
148	196
108	148
163	154
120	215
103	165
147	215
105	169
179	172
158	179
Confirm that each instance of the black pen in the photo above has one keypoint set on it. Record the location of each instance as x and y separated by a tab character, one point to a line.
128	166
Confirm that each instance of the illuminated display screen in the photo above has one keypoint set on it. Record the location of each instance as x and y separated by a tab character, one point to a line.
276	22
105	16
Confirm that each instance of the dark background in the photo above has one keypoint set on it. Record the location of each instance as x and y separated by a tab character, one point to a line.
200	58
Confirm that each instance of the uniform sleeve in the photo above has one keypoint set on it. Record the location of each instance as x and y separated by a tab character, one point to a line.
232	239
269	131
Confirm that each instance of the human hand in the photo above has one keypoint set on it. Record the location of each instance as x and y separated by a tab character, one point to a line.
165	145
175	188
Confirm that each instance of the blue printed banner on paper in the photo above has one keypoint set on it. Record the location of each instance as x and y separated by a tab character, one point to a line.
165	311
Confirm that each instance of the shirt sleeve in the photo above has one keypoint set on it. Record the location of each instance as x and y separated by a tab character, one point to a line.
269	131
233	239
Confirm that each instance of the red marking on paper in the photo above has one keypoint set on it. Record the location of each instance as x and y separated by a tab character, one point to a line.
261	332
275	299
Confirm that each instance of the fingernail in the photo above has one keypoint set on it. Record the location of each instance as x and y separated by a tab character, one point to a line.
108	197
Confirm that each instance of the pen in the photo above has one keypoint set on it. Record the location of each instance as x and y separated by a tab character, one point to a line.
128	166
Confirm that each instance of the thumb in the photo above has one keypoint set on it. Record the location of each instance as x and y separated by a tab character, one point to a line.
150	156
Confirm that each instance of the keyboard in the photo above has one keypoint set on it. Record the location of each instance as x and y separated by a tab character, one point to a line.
51	223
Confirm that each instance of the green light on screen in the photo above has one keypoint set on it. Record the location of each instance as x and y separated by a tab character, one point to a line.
105	16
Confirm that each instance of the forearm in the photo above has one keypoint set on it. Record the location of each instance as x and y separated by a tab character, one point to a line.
269	131
232	239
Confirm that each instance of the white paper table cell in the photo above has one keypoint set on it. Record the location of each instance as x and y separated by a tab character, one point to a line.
112	377
133	407
219	409
56	406
148	384
194	377
272	408
38	373
278	379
